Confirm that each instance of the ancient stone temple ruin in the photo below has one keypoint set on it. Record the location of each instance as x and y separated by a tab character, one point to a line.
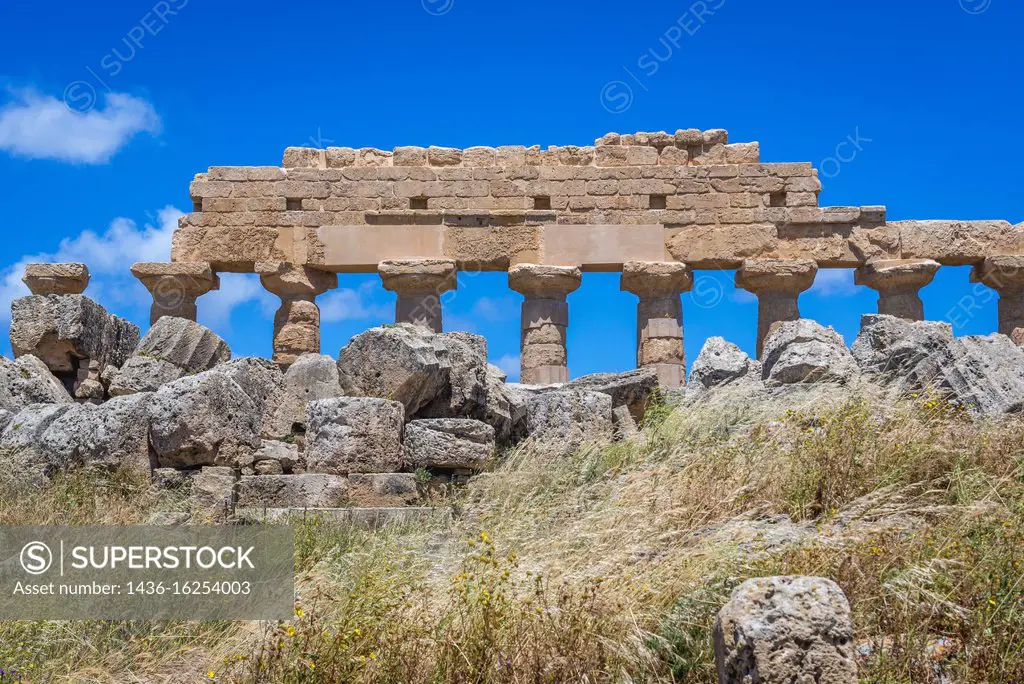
653	206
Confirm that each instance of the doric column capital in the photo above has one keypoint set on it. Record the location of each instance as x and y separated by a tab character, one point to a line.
418	276
59	279
290	281
1004	274
655	278
782	276
188	279
545	282
896	275
176	286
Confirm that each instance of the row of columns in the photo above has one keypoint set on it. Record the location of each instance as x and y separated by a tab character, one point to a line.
420	283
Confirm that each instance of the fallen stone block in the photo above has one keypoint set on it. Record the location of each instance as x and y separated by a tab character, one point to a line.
282	453
804	351
560	421
205	419
983	374
62	329
172	349
721	363
213	493
312	490
354	435
277	410
448	443
28	381
403	362
631	389
110	436
777	630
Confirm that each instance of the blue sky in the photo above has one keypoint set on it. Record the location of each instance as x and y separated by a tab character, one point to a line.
181	85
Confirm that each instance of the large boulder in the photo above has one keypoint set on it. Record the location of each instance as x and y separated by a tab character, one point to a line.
204	419
354	435
24	460
891	348
560	421
28	381
172	349
313	377
403	362
983	374
313	490
777	630
804	351
65	329
465	392
722	363
631	389
448	443
277	410
112	435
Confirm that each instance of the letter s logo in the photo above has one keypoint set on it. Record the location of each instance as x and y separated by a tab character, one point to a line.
36	558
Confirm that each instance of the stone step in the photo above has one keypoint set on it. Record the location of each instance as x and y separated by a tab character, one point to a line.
369	518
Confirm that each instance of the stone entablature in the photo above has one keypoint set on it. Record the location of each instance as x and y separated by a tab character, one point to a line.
689	197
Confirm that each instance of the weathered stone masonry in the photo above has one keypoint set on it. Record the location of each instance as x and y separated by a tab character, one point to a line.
647	199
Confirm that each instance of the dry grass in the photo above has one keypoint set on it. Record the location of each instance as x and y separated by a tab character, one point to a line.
610	566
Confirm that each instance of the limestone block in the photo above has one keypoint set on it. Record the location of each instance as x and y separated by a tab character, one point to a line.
204	419
723	246
285	455
312	490
955	243
785	629
57	279
383	490
804	351
173	348
561	421
313	377
61	329
402	362
27	463
276	410
631	389
354	435
448	443
28	381
722	363
110	436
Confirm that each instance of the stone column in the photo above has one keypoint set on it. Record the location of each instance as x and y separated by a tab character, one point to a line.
57	279
175	287
1005	275
777	284
419	284
898	282
659	316
297	322
545	316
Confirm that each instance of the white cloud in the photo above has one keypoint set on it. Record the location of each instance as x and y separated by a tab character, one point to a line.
834	282
109	256
509	363
345	304
495	309
38	126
